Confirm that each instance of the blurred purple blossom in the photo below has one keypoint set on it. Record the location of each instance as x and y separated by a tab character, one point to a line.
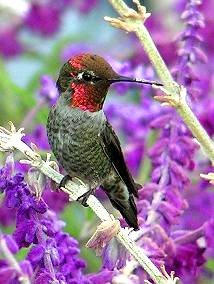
133	122
85	6
206	114
48	89
43	18
56	201
162	38
74	49
38	137
7	215
9	42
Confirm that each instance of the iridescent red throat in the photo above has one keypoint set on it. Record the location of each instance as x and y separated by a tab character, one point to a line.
86	97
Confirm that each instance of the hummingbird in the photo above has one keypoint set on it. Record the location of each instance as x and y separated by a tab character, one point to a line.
81	137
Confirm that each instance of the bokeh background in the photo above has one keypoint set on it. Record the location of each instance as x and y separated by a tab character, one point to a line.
37	37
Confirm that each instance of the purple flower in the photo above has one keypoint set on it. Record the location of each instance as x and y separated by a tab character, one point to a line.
7	274
209	230
201	205
11	244
7	215
86	6
134	153
133	121
104	276
187	261
169	212
9	43
206	113
152	250
10	270
55	200
38	137
48	89
190	53
54	255
43	18
74	49
114	255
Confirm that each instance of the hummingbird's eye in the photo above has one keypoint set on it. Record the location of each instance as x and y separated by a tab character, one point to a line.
87	77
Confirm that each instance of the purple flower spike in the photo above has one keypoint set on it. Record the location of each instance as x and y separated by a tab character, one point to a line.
190	53
54	255
36	254
43	277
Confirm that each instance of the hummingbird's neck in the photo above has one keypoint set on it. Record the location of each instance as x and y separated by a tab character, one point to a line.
86	97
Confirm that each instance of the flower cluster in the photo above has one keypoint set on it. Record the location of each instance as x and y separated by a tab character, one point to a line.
53	255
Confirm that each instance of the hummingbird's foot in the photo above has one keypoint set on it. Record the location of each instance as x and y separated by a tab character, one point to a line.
64	180
83	198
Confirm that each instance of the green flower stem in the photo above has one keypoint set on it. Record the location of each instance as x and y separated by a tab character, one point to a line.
132	21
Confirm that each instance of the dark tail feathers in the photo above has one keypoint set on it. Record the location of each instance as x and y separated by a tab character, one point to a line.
127	209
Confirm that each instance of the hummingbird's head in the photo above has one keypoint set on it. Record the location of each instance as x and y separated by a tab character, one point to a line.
88	77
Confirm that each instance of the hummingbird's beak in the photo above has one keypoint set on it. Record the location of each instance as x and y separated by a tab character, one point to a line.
134	80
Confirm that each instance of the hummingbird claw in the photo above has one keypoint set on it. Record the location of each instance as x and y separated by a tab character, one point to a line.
64	180
84	197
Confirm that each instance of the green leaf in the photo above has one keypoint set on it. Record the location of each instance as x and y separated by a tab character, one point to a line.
74	217
145	167
22	253
93	261
210	265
